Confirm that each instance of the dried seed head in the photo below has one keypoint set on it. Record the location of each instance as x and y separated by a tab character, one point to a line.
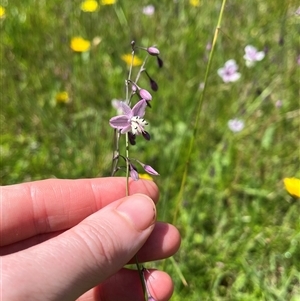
153	84
160	62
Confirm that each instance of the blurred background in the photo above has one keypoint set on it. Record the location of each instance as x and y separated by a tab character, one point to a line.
62	64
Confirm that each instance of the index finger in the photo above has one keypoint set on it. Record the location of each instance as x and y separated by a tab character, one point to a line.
51	205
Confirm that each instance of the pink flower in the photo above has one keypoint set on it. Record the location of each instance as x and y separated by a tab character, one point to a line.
278	103
132	119
252	55
148	10
229	72
236	125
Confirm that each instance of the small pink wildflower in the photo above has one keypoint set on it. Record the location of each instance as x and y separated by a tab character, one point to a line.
252	55
148	10
132	119
229	72
278	104
236	125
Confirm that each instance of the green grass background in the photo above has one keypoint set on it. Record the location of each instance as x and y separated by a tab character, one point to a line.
240	229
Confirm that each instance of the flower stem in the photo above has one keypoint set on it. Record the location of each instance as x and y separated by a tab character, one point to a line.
127	163
116	153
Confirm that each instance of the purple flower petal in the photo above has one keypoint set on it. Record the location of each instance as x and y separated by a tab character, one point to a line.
139	108
119	122
126	129
126	109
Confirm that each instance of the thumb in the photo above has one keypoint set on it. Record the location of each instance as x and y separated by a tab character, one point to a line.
66	266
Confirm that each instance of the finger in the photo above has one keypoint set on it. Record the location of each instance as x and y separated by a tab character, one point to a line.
163	242
126	286
80	258
52	205
27	243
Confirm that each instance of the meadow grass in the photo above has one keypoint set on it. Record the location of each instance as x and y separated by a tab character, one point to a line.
240	229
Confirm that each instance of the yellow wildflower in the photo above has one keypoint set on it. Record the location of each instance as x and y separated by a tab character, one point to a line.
127	58
108	2
292	185
62	97
79	44
195	3
145	176
89	6
2	12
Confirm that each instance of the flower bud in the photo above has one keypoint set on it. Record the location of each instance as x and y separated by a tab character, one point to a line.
133	172
153	51
132	44
160	62
153	84
133	88
150	170
144	94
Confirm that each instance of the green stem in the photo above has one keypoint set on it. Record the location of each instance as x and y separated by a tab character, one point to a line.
127	163
199	109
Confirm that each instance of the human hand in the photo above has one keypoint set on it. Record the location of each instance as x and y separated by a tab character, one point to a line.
69	239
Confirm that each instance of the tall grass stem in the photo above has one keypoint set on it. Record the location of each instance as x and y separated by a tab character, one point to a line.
198	114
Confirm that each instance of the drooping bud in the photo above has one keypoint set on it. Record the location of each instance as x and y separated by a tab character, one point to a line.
133	172
144	94
150	170
153	51
160	62
153	84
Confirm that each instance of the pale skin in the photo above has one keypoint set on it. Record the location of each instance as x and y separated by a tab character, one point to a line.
70	240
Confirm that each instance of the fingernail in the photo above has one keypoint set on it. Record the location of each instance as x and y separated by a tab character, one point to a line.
140	209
